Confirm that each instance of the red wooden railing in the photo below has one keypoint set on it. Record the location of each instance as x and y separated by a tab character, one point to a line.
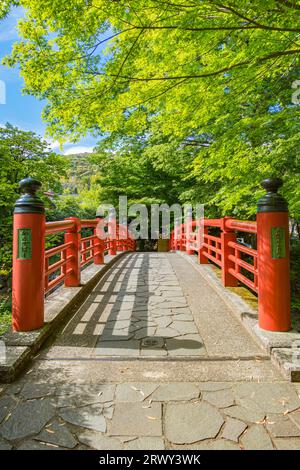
76	251
264	270
223	249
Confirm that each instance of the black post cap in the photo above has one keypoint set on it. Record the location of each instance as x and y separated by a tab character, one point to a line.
272	201
29	202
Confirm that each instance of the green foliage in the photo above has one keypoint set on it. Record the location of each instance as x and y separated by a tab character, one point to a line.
5	7
206	86
69	206
126	167
80	173
5	312
22	154
295	277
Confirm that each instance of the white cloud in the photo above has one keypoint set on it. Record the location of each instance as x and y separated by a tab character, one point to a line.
53	144
79	149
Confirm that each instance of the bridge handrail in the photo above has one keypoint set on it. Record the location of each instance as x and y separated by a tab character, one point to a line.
241	225
89	223
77	251
58	226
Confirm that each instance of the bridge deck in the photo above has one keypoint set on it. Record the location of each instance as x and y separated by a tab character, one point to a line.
153	359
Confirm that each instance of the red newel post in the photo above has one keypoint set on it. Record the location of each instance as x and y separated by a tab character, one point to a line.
73	236
98	250
112	233
112	247
188	231
189	238
28	259
121	238
175	241
227	236
182	239
273	259
171	242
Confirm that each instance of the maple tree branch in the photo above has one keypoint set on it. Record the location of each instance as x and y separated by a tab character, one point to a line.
209	74
288	4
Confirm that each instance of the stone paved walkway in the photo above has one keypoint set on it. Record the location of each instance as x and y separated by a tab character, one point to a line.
153	360
149	416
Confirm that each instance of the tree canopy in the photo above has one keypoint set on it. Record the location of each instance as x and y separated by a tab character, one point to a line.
5	7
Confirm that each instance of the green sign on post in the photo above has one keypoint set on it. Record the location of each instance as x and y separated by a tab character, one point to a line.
278	242
24	243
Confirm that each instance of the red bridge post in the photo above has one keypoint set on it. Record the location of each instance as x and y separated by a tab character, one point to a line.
182	240
112	233
28	259
202	259
273	259
73	252
188	230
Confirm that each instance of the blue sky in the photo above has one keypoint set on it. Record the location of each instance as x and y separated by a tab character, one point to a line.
21	110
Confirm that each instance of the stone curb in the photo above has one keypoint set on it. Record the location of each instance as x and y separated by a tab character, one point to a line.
59	306
280	346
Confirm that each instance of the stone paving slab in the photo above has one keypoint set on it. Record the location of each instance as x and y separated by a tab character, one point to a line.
136	419
134	392
58	434
35	445
282	426
186	423
176	392
256	438
117	320
246	411
233	429
72	398
216	444
273	400
287	444
219	398
5	445
27	418
90	417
